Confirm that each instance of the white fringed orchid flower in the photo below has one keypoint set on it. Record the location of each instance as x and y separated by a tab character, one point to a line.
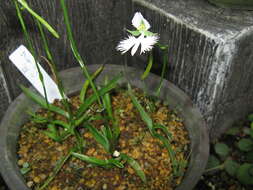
144	38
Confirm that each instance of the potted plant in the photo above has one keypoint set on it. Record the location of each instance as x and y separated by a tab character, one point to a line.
235	4
111	135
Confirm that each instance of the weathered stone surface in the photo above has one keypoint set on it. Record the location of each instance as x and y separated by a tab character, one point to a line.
210	55
210	49
4	93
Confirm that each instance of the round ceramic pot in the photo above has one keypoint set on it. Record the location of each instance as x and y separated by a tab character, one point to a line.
234	4
72	80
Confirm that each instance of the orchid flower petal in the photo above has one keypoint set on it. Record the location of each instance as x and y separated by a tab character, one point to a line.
146	23
148	42
136	21
137	44
126	44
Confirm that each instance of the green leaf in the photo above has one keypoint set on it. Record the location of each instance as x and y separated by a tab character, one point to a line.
107	102
87	83
107	132
24	170
249	156
251	133
221	149
213	162
231	167
134	164
52	133
243	174
233	131
99	137
42	102
250	117
91	99
144	116
98	162
164	129
246	130
37	118
39	18
148	33
75	50
134	33
171	152
245	144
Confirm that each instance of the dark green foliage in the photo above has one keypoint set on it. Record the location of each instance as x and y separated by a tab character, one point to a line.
239	167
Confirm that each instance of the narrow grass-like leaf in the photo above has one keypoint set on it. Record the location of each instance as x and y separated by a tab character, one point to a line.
165	130
79	140
39	18
171	152
98	162
87	83
31	47
135	165
42	102
148	68
37	118
91	99
56	170
145	117
115	128
107	102
52	132
52	66
75	50
99	137
106	130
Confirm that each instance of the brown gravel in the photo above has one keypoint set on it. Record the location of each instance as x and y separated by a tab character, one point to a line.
42	153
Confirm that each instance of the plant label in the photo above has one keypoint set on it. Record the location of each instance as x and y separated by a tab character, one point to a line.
25	62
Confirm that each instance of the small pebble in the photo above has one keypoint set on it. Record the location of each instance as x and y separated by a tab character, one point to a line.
104	187
29	183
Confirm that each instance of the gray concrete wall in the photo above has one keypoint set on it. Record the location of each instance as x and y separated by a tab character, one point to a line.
210	49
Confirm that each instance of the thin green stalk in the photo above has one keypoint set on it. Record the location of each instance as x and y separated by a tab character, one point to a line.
165	63
75	50
56	170
54	70
149	66
29	41
220	167
38	18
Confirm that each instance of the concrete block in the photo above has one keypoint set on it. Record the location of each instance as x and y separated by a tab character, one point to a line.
210	55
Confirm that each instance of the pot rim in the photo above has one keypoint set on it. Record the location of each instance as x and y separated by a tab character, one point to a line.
199	132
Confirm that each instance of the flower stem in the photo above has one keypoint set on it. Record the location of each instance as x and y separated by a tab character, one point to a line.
29	41
165	63
220	167
149	66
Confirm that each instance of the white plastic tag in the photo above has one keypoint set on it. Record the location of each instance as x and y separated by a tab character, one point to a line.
25	62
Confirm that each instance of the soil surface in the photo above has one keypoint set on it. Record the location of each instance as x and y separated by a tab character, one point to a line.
42	154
